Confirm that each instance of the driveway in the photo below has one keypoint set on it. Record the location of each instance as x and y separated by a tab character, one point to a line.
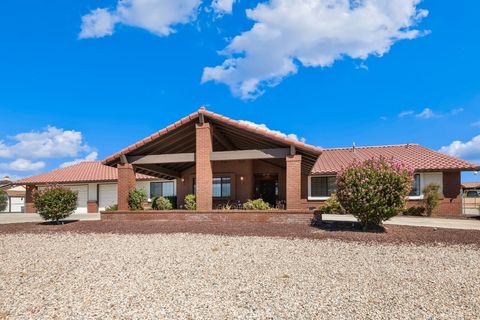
463	224
31	217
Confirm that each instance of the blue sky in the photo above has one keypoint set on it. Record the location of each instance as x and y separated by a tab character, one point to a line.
83	79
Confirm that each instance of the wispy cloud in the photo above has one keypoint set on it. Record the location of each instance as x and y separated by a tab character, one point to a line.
476	124
428	113
92	156
264	126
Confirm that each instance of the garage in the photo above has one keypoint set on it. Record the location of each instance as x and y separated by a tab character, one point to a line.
107	195
82	191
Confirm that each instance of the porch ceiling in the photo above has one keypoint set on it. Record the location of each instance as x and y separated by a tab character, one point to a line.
225	137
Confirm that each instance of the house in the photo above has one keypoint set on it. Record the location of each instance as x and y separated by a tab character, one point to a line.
220	160
15	195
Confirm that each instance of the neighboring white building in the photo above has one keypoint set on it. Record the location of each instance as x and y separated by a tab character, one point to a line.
16	196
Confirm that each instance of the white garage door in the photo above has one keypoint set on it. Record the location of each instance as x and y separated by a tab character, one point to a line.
107	195
82	198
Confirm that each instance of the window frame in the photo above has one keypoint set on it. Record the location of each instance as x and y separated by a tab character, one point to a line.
221	177
310	197
162	182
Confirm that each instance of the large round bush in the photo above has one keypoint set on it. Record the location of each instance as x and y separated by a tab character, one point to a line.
375	190
55	203
3	200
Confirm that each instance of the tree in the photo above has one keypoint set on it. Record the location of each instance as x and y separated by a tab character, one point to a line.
3	200
374	190
55	203
431	198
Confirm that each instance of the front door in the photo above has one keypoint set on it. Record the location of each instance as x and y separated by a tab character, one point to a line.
266	189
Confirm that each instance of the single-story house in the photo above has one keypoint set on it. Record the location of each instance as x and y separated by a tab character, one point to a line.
15	195
220	159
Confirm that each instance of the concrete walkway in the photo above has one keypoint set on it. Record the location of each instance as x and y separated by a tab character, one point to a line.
464	224
33	217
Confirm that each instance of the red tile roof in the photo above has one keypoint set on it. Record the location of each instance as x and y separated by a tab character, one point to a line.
413	155
90	171
471	185
235	123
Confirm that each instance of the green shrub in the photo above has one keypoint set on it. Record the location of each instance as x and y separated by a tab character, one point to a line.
190	202
257	204
161	203
414	211
173	201
136	199
113	207
331	206
3	200
374	191
431	198
55	203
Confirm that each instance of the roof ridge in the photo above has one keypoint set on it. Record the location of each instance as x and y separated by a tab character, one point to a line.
377	146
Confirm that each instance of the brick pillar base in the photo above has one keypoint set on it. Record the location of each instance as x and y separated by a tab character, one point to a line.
92	206
126	181
203	167
294	179
29	205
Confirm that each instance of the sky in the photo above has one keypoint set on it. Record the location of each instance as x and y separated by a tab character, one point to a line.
80	80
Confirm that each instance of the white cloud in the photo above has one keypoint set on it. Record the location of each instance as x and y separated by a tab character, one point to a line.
469	150
12	177
312	33
474	124
23	165
156	16
264	126
98	23
406	113
50	143
427	113
223	6
92	156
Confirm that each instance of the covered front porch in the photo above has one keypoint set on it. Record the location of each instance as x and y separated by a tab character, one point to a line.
220	161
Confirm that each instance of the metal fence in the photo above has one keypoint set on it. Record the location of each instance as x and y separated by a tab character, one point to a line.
471	202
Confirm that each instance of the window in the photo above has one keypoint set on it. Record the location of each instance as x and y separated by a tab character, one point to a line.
416	186
322	186
162	189
472	194
221	187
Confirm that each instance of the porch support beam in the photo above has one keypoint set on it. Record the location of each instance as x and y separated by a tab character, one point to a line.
159	169
221	138
162	158
278	153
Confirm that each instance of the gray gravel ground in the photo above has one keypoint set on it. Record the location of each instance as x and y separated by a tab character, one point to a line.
181	276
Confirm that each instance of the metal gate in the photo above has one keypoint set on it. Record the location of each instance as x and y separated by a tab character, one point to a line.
471	202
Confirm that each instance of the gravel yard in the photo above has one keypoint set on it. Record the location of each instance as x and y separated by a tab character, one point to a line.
186	276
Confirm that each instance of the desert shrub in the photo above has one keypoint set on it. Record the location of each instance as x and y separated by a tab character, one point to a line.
161	203
136	198
55	203
113	207
190	202
257	204
374	191
331	206
3	200
414	211
173	201
431	198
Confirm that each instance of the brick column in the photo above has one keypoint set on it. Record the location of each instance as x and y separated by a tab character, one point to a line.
203	167
126	181
294	177
92	206
29	206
